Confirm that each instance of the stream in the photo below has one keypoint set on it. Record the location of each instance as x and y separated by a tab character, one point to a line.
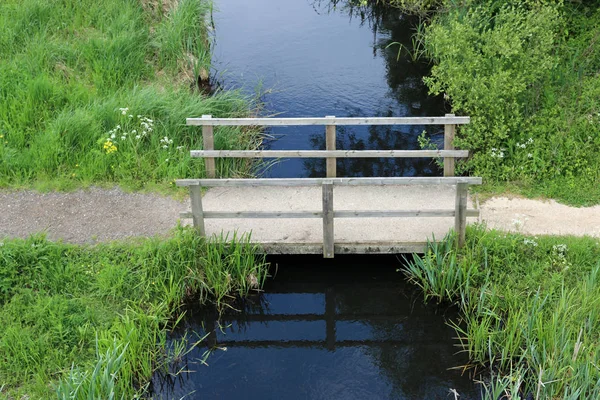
352	327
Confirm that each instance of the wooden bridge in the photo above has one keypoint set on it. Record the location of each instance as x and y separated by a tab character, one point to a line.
281	212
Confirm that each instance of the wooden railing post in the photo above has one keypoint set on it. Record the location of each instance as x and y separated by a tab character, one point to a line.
328	251
330	145
460	216
197	212
209	144
449	131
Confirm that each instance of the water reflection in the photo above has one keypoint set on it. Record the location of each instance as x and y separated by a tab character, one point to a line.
329	58
349	330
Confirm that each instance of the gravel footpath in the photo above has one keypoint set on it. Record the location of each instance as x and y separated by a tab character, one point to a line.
87	216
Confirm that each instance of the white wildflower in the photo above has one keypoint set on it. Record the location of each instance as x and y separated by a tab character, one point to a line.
166	141
124	110
138	137
123	137
529	155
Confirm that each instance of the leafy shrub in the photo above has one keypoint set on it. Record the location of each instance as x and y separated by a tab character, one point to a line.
526	74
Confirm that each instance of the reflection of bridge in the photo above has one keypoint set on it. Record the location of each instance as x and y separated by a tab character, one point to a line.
296	202
331	317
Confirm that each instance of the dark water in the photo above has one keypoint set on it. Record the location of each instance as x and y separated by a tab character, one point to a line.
349	329
323	329
317	58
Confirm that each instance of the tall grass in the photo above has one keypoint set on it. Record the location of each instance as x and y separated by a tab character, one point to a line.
530	310
68	67
93	320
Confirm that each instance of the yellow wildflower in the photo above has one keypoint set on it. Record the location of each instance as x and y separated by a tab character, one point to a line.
109	147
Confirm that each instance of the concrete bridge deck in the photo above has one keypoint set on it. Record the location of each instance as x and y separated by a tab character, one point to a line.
352	235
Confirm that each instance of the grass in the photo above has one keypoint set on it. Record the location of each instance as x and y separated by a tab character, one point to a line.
91	321
78	75
530	310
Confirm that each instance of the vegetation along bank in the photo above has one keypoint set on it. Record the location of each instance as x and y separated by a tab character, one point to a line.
97	92
526	71
91	321
530	310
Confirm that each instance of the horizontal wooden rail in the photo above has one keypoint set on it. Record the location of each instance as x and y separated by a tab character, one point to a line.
335	181
336	214
328	121
329	153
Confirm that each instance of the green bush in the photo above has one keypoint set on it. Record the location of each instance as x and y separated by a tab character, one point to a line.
525	71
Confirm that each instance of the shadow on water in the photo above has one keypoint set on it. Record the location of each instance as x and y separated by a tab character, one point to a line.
319	58
345	329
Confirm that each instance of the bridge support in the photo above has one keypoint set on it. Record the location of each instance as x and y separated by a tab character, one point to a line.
449	131
328	237
460	216
208	141
330	145
197	212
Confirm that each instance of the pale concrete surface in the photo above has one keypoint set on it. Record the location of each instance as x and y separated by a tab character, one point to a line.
415	229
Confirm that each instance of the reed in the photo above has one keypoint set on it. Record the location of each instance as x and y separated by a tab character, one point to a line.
92	321
530	310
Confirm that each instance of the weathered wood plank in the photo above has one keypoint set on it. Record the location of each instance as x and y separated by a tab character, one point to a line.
197	212
336	214
344	248
400	213
328	121
336	181
209	144
330	145
449	131
460	218
257	214
329	154
328	236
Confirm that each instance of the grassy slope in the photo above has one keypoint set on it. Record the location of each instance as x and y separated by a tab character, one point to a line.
67	67
66	309
531	310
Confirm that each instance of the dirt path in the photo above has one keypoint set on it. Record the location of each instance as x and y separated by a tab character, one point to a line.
103	215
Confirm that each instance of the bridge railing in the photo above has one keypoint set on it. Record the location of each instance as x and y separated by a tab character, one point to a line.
330	122
327	213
